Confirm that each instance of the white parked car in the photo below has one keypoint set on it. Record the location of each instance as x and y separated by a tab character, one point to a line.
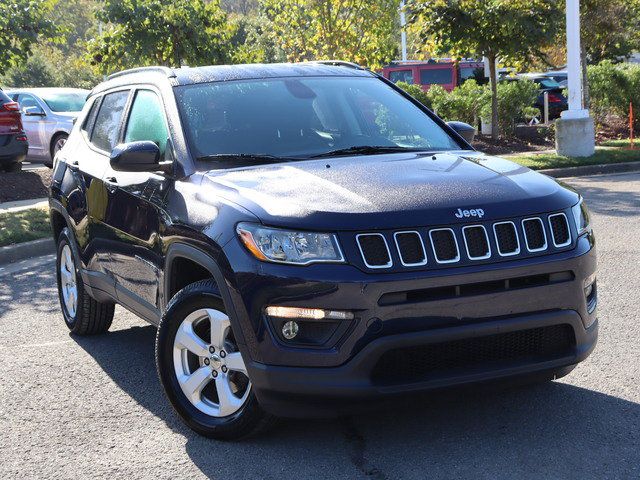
48	115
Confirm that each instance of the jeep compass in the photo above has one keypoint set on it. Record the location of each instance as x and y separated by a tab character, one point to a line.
309	240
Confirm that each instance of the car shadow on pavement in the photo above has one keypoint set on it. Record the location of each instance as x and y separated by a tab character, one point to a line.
552	430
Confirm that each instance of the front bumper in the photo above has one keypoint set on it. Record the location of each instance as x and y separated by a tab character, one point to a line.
300	380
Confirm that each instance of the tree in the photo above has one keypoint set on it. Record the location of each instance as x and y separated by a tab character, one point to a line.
610	29
22	24
361	31
146	32
512	30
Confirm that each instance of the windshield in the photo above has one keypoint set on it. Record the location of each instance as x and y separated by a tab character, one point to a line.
303	117
65	102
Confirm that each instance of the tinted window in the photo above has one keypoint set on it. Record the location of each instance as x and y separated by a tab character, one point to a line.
64	102
146	120
91	116
401	76
436	76
301	117
473	73
25	100
105	132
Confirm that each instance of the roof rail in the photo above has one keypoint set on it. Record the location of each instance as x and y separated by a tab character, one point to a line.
166	70
340	63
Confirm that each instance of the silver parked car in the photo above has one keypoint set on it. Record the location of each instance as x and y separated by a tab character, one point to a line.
48	115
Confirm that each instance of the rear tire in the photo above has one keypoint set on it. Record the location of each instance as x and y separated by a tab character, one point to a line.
202	370
82	314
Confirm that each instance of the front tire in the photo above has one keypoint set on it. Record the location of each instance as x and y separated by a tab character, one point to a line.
56	145
201	368
82	314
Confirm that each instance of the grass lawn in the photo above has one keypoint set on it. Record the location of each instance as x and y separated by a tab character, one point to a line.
24	225
604	154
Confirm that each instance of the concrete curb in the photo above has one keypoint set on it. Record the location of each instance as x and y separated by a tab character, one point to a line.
592	169
23	251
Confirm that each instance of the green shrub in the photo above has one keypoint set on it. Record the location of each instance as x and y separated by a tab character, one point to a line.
608	88
463	104
416	92
515	104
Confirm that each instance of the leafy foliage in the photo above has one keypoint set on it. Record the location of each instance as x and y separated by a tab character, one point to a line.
514	30
22	24
515	104
463	103
416	92
612	88
610	28
145	32
361	31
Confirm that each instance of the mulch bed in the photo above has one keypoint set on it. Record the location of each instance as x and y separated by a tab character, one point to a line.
503	146
24	185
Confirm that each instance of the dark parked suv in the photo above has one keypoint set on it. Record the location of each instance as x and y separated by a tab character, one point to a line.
309	239
13	140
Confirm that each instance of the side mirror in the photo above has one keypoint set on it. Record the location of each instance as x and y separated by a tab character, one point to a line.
465	130
143	156
33	111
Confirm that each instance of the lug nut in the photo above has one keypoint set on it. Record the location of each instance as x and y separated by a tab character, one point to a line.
206	361
223	353
214	374
224	369
212	349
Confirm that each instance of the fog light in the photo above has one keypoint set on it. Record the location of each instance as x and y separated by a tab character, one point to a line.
290	330
308	313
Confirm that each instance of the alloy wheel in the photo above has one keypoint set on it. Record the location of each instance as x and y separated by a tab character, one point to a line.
208	366
68	281
58	145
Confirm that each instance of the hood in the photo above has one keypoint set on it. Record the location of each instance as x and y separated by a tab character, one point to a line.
388	191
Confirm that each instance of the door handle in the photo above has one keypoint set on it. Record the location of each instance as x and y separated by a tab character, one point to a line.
113	180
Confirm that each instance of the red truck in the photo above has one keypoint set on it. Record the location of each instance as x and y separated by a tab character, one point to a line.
444	72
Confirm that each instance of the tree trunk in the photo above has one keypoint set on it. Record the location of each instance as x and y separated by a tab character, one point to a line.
493	76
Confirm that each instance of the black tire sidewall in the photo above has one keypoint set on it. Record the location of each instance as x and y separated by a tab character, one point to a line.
233	426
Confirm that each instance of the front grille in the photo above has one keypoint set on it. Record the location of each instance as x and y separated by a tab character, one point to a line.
534	235
470	355
506	238
444	244
559	229
411	248
477	242
374	250
465	244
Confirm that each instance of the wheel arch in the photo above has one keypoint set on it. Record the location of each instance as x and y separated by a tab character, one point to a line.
180	252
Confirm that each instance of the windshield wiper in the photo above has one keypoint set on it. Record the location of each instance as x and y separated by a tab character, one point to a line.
248	157
366	150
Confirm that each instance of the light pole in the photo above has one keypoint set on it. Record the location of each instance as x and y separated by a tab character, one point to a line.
575	134
403	32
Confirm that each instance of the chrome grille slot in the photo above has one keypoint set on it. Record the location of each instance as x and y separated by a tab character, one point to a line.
374	250
476	242
507	239
534	235
410	248
444	245
559	230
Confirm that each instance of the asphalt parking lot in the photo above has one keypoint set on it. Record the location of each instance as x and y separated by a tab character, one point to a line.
75	407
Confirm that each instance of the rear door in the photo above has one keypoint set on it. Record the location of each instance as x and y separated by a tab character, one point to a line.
134	210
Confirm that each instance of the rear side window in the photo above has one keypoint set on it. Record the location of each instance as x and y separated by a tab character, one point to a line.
91	116
146	120
436	76
401	76
107	127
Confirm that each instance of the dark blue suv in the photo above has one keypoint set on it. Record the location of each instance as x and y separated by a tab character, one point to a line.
309	240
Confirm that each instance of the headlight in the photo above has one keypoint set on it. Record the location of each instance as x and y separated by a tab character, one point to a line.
581	216
284	246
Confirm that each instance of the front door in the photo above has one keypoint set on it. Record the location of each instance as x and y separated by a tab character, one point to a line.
35	124
134	210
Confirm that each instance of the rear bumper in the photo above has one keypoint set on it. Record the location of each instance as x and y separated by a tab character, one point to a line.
294	391
12	150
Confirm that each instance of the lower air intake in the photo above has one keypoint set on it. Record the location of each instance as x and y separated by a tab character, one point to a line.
478	354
